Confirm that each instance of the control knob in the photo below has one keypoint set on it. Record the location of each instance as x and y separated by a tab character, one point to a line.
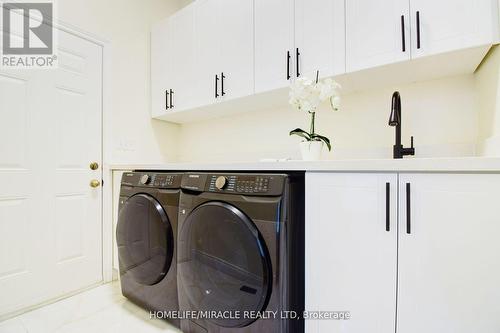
221	182
145	179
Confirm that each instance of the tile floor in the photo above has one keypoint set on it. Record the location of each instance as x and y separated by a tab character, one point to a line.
102	309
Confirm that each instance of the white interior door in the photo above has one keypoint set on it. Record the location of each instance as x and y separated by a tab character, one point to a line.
449	25
374	33
274	44
50	218
351	252
449	263
320	37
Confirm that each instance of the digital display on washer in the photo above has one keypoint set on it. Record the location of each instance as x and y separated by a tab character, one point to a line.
252	184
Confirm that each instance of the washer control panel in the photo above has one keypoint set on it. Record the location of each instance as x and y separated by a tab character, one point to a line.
235	183
152	179
245	184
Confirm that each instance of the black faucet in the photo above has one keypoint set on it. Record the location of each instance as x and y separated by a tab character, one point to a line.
395	120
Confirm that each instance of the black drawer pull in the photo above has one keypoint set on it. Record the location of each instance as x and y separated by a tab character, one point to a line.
387	207
166	99
408	209
418	29
222	83
403	37
216	84
297	55
171	98
288	65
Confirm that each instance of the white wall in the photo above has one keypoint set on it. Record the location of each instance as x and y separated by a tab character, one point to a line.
441	115
136	138
488	88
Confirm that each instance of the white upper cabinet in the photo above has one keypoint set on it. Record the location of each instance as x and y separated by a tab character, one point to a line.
377	33
447	25
207	51
351	251
274	44
319	37
215	51
172	57
389	31
224	50
161	67
236	36
183	53
449	253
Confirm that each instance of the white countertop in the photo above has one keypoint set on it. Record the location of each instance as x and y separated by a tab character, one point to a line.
466	164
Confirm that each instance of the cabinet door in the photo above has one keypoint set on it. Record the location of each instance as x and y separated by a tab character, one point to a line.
182	53
320	37
350	255
449	260
237	39
161	67
449	25
208	52
274	45
375	31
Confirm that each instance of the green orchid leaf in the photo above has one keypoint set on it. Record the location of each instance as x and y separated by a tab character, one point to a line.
300	132
324	139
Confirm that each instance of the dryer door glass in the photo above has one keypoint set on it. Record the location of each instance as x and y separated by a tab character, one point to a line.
145	239
223	263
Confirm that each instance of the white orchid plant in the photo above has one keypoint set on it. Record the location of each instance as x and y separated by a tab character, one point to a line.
307	95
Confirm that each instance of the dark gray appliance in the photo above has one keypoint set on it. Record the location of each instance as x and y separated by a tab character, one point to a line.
146	235
241	250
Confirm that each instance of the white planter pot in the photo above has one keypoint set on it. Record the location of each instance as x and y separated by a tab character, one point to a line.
311	150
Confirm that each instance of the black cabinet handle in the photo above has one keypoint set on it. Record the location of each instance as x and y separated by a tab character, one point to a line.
216	83
403	32
408	209
387	207
288	65
222	83
171	98
166	99
418	29
297	54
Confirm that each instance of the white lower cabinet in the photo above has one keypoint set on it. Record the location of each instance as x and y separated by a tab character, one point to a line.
432	268
449	263
350	255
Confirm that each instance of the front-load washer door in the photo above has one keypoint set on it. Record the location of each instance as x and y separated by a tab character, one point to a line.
145	240
223	264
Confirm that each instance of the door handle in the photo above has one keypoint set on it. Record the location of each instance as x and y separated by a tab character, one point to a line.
94	183
171	98
403	33
418	29
408	209
222	76
94	166
166	99
216	83
387	206
297	55
288	65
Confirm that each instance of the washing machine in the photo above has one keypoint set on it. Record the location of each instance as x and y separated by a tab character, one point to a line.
146	234
241	252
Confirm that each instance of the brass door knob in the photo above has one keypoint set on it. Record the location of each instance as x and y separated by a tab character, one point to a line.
94	183
94	166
